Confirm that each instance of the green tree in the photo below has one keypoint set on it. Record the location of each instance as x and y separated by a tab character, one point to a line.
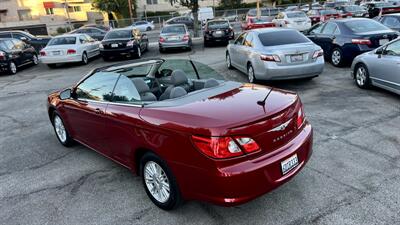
194	6
119	8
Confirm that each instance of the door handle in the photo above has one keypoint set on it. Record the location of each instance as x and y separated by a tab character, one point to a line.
98	111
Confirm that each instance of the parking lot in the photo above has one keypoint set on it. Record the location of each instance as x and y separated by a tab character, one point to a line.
352	177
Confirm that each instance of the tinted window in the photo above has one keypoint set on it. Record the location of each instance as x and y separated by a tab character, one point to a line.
329	28
9	44
327	12
248	41
125	91
174	29
19	36
361	26
283	37
391	22
62	41
240	39
183	64
118	34
261	20
18	44
5	35
218	24
393	49
97	87
296	14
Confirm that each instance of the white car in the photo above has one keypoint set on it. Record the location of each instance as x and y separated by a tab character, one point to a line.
69	48
143	25
293	19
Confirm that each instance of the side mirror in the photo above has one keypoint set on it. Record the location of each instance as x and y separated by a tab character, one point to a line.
66	94
379	51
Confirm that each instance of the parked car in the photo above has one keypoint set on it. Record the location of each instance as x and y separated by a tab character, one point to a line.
294	19
69	48
143	25
322	15
204	14
217	31
292	8
95	33
230	15
124	42
381	8
275	54
190	145
265	13
175	36
352	11
305	8
257	23
98	26
38	42
14	54
390	20
188	21
342	40
379	68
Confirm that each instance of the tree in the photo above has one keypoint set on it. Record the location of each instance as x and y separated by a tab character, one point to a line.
119	8
194	6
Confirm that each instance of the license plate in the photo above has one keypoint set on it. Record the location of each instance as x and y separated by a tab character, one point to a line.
383	41
56	53
114	45
296	58
218	32
289	164
174	38
359	14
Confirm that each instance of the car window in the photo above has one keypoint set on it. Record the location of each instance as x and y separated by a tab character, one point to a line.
3	46
367	25
97	87
317	29
19	36
391	22
9	44
136	71
182	64
248	40
173	29
218	24
119	34
329	28
125	91
296	15
282	37
393	49
240	39
83	39
5	35
62	41
18	44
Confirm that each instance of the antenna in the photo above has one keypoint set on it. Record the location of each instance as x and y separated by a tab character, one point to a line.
265	99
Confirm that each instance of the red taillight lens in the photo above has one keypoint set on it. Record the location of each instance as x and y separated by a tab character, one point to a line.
42	53
247	144
161	39
2	55
185	37
318	53
361	41
270	58
300	117
71	51
217	147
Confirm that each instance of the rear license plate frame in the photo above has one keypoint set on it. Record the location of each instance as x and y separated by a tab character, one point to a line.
296	58
289	164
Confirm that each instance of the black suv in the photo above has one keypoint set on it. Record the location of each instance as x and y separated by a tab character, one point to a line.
15	53
37	42
218	31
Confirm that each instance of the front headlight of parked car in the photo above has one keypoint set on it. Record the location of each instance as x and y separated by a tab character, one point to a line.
101	46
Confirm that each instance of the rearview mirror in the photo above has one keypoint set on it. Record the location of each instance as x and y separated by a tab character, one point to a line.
66	94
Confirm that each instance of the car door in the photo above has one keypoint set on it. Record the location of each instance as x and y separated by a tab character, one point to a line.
16	48
244	50
234	51
27	51
85	112
314	33
387	72
327	37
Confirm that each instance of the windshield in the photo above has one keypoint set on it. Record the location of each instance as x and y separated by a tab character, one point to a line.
174	29
62	41
327	12
204	71
361	26
119	34
296	15
218	24
283	37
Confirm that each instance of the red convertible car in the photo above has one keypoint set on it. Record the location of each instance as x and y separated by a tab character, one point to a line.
189	135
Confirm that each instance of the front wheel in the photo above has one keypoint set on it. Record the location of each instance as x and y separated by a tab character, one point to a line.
228	61
250	74
139	53
60	130
159	183
337	57
362	76
85	59
12	68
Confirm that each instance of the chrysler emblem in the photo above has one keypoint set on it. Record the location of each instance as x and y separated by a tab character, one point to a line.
282	126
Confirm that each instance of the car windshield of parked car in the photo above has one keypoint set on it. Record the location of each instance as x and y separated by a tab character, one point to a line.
296	15
282	37
204	71
260	20
3	46
218	25
363	26
173	30
62	41
328	12
119	34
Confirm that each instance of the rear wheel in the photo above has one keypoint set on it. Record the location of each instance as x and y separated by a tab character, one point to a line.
148	29
250	74
337	57
159	183
12	68
85	59
35	59
362	76
139	53
60	130
228	61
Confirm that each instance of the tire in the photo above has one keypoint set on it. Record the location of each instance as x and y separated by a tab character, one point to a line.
155	173
161	50
61	132
106	58
361	76
52	66
148	29
139	53
228	61
35	59
12	68
337	57
250	74
85	59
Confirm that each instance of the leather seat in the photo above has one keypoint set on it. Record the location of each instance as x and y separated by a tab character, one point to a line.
211	83
144	90
177	92
178	79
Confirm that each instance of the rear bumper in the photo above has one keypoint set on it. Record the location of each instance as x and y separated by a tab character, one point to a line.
60	59
4	65
272	71
180	44
302	27
242	182
225	37
118	52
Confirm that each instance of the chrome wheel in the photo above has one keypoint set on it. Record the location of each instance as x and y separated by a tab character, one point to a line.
60	129
336	57
84	58
250	73
35	60
361	76
13	68
156	181
228	61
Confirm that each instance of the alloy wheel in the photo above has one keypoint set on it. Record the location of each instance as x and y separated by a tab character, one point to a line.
361	76
336	57
13	68
250	73
84	58
228	60
156	181
35	60
60	129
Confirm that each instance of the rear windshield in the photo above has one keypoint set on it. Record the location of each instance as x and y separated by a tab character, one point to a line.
353	8
264	12
362	26
119	34
174	29
283	37
260	20
296	15
62	41
218	24
327	12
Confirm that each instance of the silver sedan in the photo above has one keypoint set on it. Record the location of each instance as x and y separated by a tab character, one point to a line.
379	68
275	54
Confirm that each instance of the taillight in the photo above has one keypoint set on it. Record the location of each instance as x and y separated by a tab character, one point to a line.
318	53
217	147
130	43
185	37
161	39
2	55
71	51
361	41
248	145
42	53
300	117
270	58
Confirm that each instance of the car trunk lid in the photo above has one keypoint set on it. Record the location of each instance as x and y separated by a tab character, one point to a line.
292	54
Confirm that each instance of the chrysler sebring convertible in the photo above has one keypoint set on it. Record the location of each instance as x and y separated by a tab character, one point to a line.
187	132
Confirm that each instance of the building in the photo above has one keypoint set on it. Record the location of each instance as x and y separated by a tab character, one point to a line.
46	16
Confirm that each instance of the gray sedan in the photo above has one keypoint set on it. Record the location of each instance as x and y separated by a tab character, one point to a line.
175	36
275	54
379	68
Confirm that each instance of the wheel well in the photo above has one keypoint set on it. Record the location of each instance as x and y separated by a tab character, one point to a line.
248	64
139	153
356	67
51	111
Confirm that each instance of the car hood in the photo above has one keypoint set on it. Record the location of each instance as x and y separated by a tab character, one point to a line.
217	114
